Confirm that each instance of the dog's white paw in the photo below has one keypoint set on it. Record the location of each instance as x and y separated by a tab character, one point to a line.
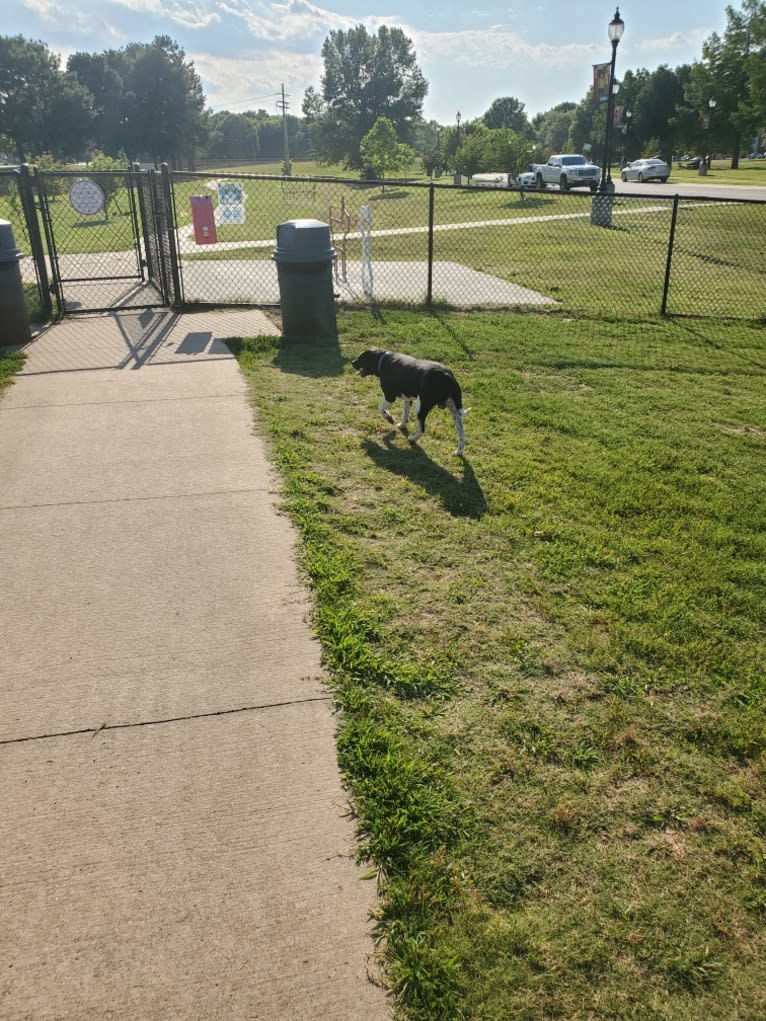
388	417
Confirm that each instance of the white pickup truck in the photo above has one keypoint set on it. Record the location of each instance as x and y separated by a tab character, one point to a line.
567	171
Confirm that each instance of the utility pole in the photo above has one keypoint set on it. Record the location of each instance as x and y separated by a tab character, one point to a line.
283	104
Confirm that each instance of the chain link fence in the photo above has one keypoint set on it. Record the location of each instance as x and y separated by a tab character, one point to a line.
110	239
18	208
484	247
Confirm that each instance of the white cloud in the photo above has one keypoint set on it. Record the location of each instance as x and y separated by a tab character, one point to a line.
685	41
499	46
188	13
294	19
47	10
244	83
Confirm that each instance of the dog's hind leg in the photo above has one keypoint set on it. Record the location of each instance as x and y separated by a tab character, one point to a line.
457	417
383	410
405	414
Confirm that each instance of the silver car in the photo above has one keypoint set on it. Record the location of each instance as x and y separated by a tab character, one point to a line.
646	170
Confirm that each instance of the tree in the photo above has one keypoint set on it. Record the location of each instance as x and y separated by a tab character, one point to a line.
551	129
654	102
724	75
68	118
111	183
105	85
507	112
162	108
37	103
365	77
233	134
381	151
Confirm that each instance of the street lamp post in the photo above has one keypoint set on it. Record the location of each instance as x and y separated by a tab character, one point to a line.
616	28
625	128
707	155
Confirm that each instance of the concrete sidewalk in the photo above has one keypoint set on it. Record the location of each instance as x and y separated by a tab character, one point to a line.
175	841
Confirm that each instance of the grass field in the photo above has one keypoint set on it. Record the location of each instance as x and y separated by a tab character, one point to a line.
548	656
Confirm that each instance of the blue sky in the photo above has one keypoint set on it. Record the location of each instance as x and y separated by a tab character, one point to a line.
245	49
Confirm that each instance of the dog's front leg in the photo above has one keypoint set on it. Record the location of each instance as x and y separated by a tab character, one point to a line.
405	414
421	417
383	410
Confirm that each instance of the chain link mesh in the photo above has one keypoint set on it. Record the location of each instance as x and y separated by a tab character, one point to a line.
484	247
12	209
401	242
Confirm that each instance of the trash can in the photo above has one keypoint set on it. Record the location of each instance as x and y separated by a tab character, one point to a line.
14	318
304	257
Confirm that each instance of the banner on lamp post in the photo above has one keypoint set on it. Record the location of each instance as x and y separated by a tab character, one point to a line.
601	82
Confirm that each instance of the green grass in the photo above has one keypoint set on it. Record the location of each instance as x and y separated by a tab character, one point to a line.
10	363
749	172
548	656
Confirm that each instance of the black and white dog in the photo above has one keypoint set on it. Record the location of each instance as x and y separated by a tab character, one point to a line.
427	383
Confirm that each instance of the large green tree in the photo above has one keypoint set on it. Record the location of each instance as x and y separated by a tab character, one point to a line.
508	112
366	76
381	151
40	107
728	73
551	128
105	85
233	134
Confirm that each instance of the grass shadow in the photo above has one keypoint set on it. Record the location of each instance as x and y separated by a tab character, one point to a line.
312	358
459	491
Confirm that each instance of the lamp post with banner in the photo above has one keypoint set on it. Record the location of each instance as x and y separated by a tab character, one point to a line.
601	205
615	29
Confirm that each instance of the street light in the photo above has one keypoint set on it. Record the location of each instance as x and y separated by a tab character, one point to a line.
615	29
627	114
458	119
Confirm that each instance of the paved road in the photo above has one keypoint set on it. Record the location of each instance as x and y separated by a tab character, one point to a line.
705	189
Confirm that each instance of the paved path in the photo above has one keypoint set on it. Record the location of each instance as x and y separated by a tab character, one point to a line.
174	839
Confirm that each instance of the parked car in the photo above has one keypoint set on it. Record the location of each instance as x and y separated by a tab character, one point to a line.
756	155
567	170
646	170
527	178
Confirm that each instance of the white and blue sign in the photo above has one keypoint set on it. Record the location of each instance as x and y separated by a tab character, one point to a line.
231	202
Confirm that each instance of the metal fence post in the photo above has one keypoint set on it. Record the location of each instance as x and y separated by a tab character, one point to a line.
170	223
429	292
668	264
27	193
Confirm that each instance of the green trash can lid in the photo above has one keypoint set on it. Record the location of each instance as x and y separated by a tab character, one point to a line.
303	241
8	250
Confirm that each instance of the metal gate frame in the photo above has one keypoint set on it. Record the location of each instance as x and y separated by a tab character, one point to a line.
153	228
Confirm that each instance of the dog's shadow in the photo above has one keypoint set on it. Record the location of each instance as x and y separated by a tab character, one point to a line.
459	492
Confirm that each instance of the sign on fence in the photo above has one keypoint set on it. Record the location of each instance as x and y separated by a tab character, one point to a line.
86	197
231	202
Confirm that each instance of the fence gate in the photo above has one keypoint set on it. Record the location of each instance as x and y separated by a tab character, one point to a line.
156	215
99	240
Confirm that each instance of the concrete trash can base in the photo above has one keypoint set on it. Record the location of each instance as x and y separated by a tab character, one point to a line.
601	208
304	258
14	318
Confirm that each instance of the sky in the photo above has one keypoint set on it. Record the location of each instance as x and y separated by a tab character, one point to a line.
246	50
